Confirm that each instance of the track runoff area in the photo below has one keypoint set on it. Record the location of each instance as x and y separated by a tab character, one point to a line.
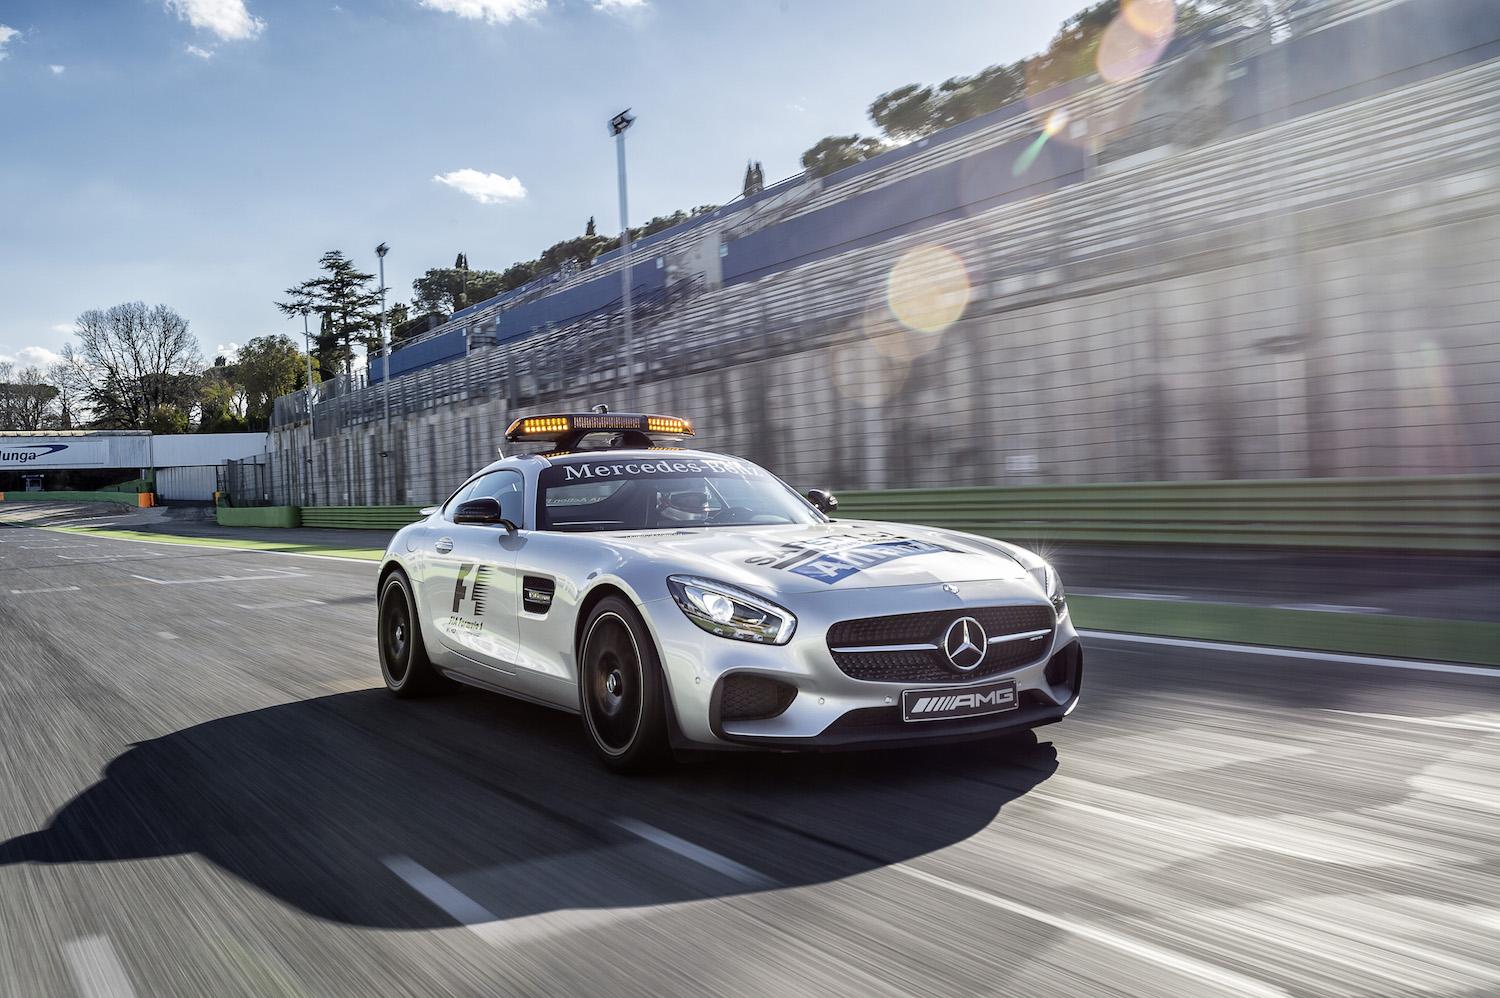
205	792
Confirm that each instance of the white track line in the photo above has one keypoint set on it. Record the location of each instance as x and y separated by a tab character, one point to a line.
96	969
1427	722
54	589
453	902
1227	980
703	857
287	605
1329	608
218	578
1316	656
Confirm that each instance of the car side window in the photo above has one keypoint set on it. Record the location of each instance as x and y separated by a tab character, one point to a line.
467	491
506	486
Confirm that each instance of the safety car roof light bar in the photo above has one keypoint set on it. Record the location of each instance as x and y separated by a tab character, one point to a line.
565	430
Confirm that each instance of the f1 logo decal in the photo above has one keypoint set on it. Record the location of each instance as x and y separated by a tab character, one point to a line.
477	592
461	591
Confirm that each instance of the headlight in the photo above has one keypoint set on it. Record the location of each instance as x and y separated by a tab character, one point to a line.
730	612
1046	576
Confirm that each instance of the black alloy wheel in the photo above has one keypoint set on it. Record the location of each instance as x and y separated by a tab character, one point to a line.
403	656
621	689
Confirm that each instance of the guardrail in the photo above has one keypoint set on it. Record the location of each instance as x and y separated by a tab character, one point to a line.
1451	513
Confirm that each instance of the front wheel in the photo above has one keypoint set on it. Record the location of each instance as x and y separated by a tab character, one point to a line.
621	689
403	655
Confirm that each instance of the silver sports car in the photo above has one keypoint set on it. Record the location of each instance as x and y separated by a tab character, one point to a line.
682	599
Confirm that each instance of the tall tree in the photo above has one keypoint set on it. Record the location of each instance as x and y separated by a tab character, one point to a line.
221	404
342	295
268	367
132	360
905	113
27	399
838	151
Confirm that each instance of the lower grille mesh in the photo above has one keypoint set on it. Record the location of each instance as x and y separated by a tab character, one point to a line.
754	698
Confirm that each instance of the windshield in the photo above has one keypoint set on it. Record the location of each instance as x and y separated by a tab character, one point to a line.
611	493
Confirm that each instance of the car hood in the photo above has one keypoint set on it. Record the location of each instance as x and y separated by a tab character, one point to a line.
821	557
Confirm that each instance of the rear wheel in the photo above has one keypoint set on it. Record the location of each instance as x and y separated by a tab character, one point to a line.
621	689
403	657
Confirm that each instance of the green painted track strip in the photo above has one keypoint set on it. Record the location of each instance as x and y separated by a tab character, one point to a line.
1471	642
228	543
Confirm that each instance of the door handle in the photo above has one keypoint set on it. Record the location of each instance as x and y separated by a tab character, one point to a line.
443	545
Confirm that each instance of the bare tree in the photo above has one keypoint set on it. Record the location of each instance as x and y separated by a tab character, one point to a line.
132	362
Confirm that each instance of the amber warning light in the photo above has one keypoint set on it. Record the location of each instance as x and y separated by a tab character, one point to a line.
561	425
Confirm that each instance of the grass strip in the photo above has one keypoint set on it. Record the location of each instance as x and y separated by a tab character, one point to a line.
1471	642
234	543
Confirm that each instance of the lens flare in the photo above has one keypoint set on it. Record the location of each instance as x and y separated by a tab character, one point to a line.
1152	18
1056	122
1125	49
928	289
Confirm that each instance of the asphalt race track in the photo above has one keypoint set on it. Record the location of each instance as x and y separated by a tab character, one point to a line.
203	792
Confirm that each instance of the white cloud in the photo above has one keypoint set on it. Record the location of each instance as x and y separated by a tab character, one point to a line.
493	11
56	69
199	52
486	188
31	357
619	6
66	328
6	34
230	20
228	351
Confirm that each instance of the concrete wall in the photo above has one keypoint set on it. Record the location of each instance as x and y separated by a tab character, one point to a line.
171	450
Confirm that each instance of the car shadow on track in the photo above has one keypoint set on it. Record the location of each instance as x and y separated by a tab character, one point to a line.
311	801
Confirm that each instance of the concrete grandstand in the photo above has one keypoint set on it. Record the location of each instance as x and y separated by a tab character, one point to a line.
1150	276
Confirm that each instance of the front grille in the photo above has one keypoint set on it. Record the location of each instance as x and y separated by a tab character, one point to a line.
931	665
745	697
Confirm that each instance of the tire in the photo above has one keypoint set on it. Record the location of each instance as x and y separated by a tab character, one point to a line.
403	656
621	690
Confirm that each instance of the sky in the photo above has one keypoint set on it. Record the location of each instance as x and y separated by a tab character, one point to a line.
204	153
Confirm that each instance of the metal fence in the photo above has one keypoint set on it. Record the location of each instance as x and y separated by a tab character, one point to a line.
1316	299
246	482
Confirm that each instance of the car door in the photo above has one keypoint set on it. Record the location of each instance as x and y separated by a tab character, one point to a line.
470	586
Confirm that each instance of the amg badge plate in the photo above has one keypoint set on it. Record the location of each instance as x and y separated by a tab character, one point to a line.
959	701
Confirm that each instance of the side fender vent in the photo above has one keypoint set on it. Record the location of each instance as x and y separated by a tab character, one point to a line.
537	593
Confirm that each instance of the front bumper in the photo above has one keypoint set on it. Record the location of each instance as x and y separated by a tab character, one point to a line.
832	709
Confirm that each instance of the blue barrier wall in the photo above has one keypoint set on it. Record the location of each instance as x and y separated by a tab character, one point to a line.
445	346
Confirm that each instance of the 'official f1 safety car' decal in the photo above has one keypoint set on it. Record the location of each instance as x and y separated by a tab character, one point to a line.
837	556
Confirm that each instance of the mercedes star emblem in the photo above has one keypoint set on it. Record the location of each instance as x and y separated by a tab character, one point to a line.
965	644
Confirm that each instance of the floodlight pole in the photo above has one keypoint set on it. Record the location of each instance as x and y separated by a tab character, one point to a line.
307	493
385	352
617	126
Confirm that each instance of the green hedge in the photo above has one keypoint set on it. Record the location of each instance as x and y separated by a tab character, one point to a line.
360	517
258	516
123	498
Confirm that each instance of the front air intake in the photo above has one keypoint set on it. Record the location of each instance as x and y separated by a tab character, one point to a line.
745	697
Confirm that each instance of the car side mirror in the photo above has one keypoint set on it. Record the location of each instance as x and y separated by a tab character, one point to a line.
825	501
484	511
